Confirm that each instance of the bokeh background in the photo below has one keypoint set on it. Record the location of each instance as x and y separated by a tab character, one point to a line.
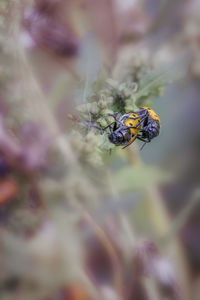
76	222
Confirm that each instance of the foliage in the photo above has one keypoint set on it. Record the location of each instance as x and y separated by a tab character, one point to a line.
68	216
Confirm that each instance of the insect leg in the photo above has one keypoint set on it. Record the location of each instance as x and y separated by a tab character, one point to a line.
108	125
142	119
142	116
103	129
130	142
117	118
147	140
142	146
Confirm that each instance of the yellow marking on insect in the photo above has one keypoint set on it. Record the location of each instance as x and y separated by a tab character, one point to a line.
152	113
133	115
132	122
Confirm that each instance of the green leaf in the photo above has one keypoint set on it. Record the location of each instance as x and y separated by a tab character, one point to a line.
135	178
154	81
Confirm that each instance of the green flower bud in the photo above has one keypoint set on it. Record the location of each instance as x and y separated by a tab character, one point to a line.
94	108
102	122
106	112
110	100
102	104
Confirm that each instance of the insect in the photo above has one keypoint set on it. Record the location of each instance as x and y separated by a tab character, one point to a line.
144	124
150	124
124	129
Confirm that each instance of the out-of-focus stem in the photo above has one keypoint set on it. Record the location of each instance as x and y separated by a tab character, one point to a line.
160	221
112	253
182	217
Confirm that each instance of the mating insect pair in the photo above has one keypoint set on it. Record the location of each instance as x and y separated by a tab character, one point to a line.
143	124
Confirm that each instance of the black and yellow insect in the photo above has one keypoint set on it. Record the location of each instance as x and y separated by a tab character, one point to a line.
144	124
125	129
150	124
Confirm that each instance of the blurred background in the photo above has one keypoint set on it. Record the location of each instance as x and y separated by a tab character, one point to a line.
76	222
